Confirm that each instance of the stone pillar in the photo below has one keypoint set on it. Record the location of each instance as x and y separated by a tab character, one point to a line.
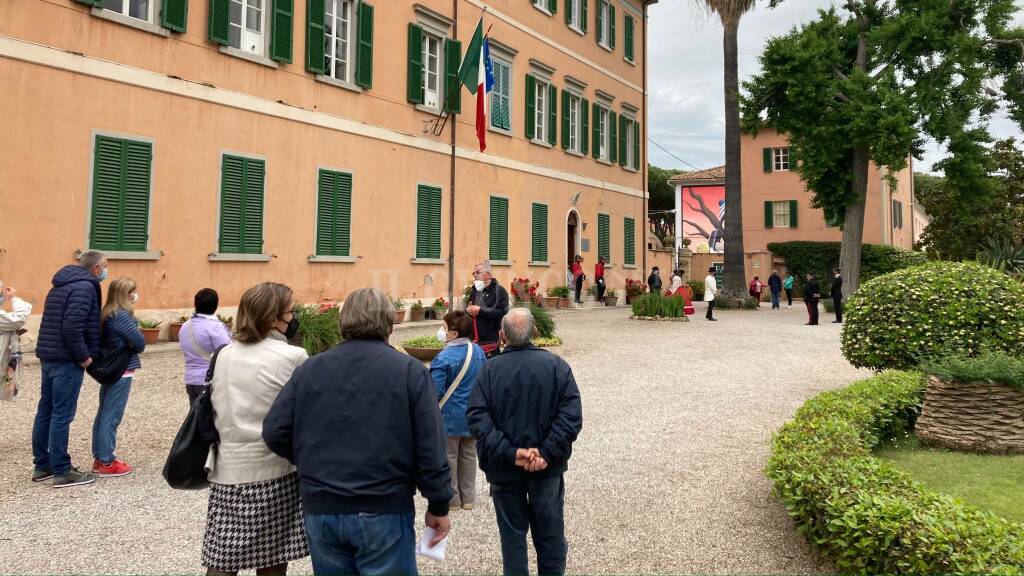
685	256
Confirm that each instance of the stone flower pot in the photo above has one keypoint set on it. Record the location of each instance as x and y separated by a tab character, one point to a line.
563	302
972	416
422	354
611	300
549	302
416	315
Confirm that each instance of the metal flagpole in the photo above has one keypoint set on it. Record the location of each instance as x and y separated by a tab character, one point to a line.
451	197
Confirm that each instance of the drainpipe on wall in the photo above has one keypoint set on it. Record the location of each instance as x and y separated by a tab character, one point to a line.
451	197
643	148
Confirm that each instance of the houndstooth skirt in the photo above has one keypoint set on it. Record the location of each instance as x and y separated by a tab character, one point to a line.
254	525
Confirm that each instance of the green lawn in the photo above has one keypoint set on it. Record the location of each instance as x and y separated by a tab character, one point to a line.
993	483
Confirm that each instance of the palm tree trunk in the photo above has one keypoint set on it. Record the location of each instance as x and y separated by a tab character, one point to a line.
735	274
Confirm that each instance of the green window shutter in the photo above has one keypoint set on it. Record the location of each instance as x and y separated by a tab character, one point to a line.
90	2
231	199
611	26
499	229
219	21
584	125
769	215
414	93
531	107
623	128
315	61
583	15
613	152
596	136
565	120
600	22
364	56
135	203
767	157
552	115
428	222
452	61
792	158
281	30
628	38
343	215
539	233
604	237
325	215
553	6
120	194
568	12
636	145
506	106
174	15
629	231
252	207
792	214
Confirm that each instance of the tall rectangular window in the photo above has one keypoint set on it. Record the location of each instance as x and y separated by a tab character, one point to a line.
246	22
501	95
604	23
629	37
780	160
573	17
333	213
120	194
498	244
539	233
603	134
629	244
574	123
781	211
431	71
604	244
628	137
428	222
241	205
339	31
541	112
141	9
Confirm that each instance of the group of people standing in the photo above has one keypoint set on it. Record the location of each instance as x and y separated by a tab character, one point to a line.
812	293
576	276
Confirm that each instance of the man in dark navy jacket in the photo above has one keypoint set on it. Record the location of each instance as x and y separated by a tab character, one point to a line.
361	424
525	413
69	339
488	303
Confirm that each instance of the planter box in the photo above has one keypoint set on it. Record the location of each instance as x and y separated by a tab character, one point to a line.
173	331
416	315
611	300
563	302
152	335
399	316
549	302
422	354
972	416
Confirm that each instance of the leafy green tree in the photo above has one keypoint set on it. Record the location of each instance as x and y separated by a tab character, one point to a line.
864	83
662	199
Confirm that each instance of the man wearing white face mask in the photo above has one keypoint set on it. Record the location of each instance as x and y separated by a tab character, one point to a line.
10	347
488	303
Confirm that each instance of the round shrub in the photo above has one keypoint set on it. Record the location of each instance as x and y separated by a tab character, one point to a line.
899	319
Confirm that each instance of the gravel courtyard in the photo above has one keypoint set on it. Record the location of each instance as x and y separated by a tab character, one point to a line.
665	478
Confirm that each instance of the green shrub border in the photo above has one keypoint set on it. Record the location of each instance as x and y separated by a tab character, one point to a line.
863	513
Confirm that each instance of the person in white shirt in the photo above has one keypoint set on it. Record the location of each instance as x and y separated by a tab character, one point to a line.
710	290
11	323
677	282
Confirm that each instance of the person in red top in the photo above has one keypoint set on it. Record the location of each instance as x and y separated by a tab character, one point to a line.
578	276
599	278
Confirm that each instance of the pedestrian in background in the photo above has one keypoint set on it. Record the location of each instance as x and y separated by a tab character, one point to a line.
120	330
599	278
787	285
710	291
812	293
526	413
11	327
756	288
254	518
775	287
199	337
677	282
454	372
837	295
654	281
488	303
69	338
360	421
578	277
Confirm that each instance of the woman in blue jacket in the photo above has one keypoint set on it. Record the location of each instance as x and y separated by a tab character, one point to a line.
119	329
460	357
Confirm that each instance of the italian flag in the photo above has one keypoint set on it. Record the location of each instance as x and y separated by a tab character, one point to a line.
476	74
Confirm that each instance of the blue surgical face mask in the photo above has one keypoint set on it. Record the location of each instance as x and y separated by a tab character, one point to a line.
103	275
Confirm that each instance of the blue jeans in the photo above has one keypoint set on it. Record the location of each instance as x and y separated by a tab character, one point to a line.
113	399
362	544
535	506
775	299
58	402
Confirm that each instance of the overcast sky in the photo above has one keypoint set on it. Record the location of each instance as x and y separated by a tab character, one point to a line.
685	78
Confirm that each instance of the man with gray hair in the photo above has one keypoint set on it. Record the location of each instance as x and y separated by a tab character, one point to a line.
526	413
69	339
488	303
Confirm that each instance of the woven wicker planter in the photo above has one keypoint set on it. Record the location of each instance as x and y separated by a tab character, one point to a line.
974	417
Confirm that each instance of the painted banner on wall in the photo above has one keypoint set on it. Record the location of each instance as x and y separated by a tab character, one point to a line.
703	210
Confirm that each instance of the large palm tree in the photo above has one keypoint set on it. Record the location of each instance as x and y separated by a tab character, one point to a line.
730	12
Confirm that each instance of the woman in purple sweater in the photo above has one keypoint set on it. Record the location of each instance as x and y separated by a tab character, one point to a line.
199	338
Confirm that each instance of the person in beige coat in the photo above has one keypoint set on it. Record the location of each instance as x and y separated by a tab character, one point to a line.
11	323
254	518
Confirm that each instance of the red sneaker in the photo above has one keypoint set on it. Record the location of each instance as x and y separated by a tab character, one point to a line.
112	470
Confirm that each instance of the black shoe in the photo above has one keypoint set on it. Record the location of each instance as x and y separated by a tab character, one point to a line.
713	319
74	477
837	321
41	475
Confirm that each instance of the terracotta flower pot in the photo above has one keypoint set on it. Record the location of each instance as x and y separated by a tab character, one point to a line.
611	300
399	316
422	354
416	315
152	335
563	302
173	331
549	302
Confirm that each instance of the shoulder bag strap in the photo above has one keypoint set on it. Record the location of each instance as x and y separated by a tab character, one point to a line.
195	343
458	379
213	365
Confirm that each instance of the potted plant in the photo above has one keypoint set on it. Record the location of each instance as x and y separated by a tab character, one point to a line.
550	299
562	293
438	309
399	309
523	290
150	330
416	311
175	328
423	348
611	297
634	289
227	320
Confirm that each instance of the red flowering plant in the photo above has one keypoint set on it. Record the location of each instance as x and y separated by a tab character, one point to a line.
635	287
440	305
523	290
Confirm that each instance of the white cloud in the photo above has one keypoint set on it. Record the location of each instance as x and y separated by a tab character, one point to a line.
685	77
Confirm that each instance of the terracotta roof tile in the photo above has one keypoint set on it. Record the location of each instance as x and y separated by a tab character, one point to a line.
716	173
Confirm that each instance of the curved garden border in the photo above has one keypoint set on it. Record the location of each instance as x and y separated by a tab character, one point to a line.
866	515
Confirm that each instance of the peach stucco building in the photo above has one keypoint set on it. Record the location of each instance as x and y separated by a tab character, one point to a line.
777	206
224	142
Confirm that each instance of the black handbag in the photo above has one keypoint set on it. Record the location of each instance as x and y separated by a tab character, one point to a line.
185	468
110	364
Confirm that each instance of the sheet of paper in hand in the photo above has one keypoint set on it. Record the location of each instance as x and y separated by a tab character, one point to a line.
432	552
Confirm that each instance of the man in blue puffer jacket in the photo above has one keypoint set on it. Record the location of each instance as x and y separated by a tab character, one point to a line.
69	338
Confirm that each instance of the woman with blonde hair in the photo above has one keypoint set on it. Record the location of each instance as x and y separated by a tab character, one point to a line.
119	330
254	518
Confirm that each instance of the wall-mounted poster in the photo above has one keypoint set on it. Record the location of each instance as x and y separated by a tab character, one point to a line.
703	209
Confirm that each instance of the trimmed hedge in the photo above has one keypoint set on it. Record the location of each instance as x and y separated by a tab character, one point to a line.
864	514
821	257
897	320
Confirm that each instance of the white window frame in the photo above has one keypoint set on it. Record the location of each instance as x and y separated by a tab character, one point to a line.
780	214
243	26
496	62
541	104
576	15
606	24
332	33
438	59
603	132
124	10
575	124
630	122
542	5
780	159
